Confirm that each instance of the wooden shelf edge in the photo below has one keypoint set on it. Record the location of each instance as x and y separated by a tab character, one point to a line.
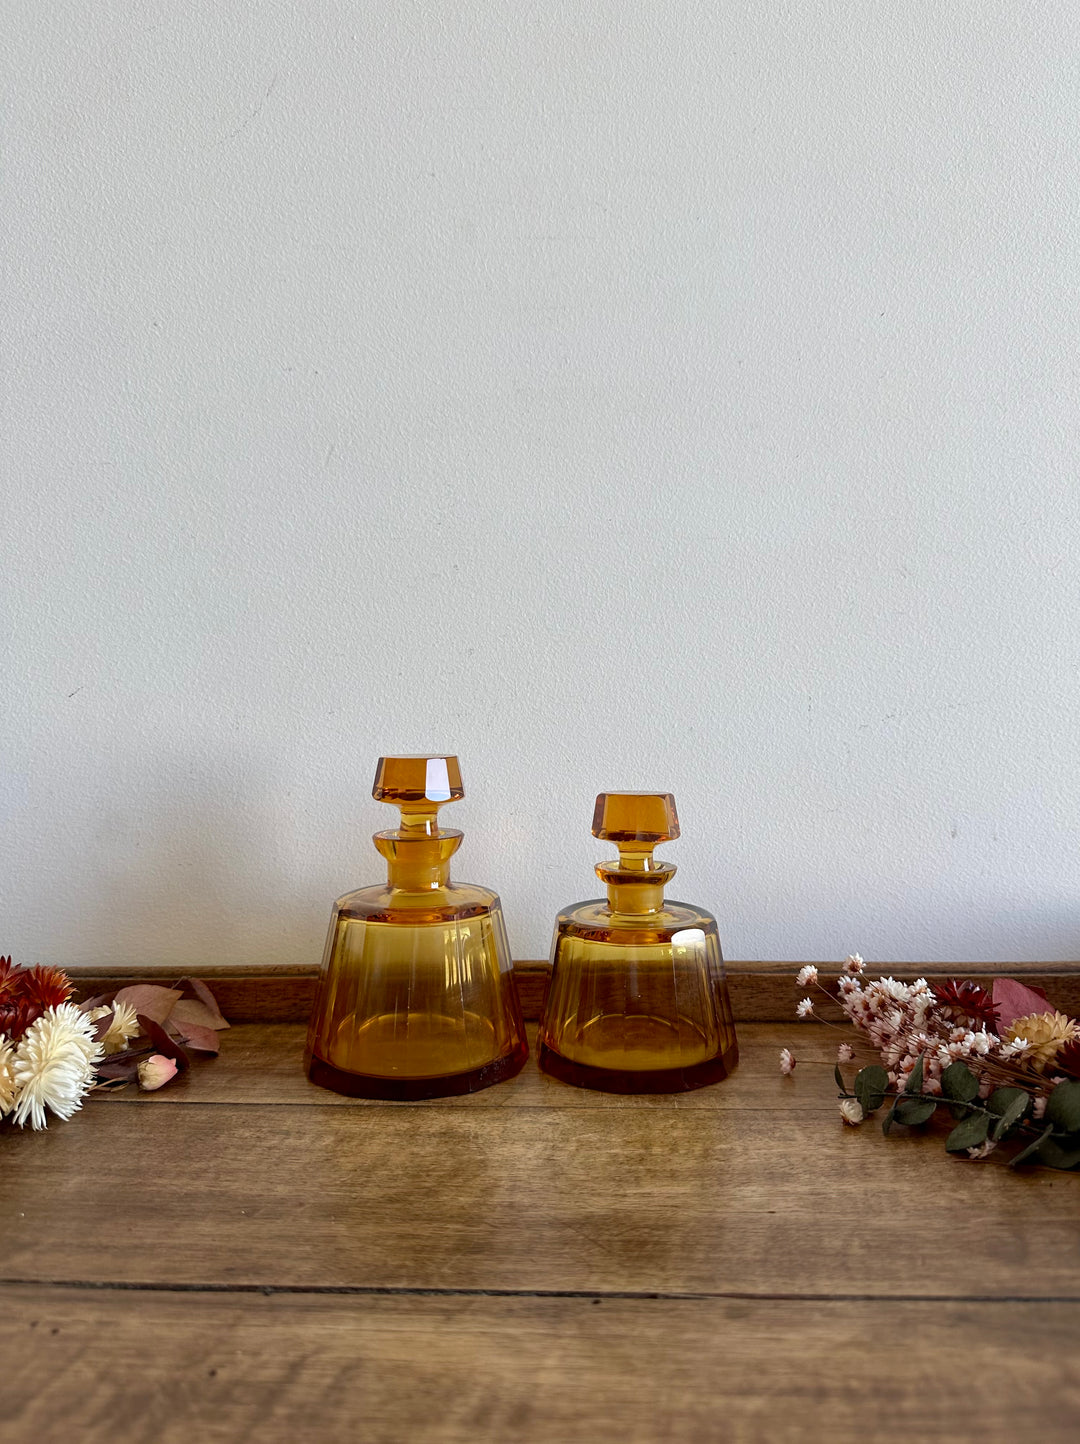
761	991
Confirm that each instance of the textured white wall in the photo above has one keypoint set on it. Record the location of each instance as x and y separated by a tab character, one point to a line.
621	394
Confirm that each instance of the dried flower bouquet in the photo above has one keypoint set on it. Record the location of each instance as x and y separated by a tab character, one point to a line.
1006	1064
53	1052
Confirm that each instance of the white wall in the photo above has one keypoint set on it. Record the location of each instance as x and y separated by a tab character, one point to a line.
621	394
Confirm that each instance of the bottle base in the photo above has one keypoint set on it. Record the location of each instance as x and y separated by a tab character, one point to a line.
414	1090
645	1080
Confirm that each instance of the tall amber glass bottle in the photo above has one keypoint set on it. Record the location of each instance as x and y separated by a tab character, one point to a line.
638	1002
416	997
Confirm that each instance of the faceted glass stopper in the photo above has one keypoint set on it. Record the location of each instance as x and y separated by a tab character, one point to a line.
417	779
646	817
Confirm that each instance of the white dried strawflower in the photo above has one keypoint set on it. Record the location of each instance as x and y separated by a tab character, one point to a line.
54	1065
984	1150
851	1111
806	975
805	1009
7	1075
844	1053
787	1061
124	1027
853	964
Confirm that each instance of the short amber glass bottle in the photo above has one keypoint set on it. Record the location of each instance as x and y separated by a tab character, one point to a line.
416	997
637	1002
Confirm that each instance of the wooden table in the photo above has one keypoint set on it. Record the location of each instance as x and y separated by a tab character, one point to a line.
243	1256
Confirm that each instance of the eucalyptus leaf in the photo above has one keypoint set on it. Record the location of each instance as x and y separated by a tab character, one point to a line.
1059	1153
915	1080
839	1079
969	1133
1010	1104
959	1083
912	1111
1032	1147
871	1086
1063	1108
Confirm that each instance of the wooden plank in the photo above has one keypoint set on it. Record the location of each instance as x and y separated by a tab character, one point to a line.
98	1366
263	1063
760	991
642	1199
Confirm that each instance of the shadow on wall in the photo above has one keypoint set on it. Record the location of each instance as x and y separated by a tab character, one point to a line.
189	868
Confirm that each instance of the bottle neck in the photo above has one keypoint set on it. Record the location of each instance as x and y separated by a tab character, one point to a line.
635	883
417	860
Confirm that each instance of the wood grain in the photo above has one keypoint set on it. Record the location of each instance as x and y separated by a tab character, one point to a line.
760	991
676	1199
548	1371
263	1063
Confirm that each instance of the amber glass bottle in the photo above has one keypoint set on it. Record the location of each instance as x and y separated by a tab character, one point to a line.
416	997
638	1002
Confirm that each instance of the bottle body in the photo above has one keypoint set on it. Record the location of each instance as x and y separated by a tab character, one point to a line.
638	1002
416	995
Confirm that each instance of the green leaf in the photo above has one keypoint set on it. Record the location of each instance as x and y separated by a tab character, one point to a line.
969	1133
1063	1108
871	1086
911	1111
839	1079
959	1083
914	1082
1010	1104
1025	1153
1059	1153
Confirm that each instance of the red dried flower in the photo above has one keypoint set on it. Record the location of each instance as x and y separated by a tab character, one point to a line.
962	999
16	1017
1068	1060
9	980
45	987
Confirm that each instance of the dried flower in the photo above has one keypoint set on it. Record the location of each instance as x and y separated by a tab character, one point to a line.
54	1065
7	1074
1068	1060
851	1111
156	1071
1038	1107
1045	1034
984	1150
806	975
844	1053
124	1027
805	1008
45	987
966	1001
787	1061
853	964
9	980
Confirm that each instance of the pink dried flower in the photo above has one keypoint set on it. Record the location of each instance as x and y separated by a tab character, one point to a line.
844	1053
787	1061
156	1071
806	975
1038	1107
853	964
851	1111
805	1008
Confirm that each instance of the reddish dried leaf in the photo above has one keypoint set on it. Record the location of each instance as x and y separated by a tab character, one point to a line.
126	1069
203	1040
163	1044
191	1012
1014	1000
197	990
149	1000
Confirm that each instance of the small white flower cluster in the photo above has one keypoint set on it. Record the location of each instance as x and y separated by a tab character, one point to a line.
899	1019
52	1067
